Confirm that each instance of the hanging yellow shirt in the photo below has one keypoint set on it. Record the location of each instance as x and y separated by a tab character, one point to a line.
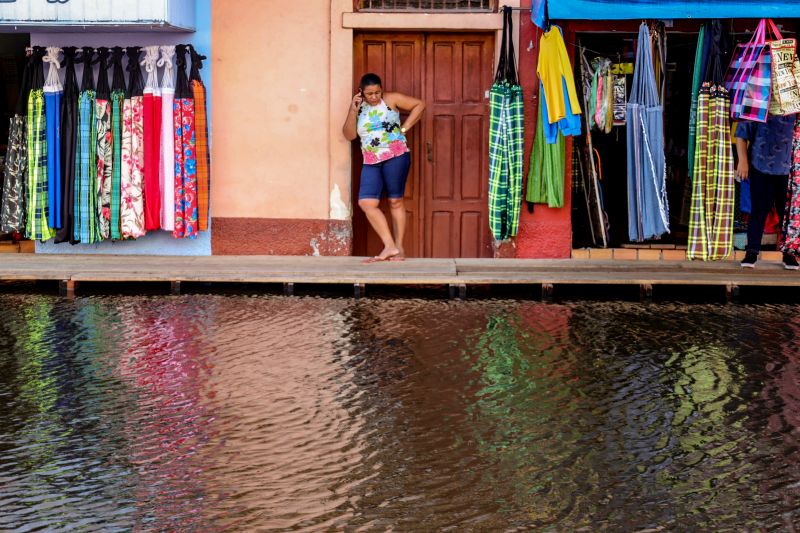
554	65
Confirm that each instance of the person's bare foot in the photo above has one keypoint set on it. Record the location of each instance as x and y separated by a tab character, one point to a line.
386	255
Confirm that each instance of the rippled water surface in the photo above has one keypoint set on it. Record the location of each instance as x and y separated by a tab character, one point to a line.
241	413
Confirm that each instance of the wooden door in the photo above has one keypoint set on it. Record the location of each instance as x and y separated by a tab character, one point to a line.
456	168
447	190
397	58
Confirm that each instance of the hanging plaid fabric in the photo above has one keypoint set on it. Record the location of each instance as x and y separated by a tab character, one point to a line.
791	219
104	148
53	91
152	140
69	141
36	226
15	178
546	172
167	167
86	230
647	192
132	207
185	162
117	112
201	139
505	141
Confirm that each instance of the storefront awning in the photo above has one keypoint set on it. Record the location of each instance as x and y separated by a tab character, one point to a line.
670	9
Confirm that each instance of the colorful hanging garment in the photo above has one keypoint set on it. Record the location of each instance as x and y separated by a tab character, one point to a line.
167	152
132	207
201	139
117	116
711	216
69	142
37	226
53	91
553	67
104	148
697	79
647	191
86	230
546	172
152	140
505	141
15	177
185	162
791	220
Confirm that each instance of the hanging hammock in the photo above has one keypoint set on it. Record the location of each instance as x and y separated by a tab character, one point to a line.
86	197
185	161
36	226
505	140
69	141
104	150
201	139
53	91
132	207
117	116
152	140
711	214
15	178
647	192
167	151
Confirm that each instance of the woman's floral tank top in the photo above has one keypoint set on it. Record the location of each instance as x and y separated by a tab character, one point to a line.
379	130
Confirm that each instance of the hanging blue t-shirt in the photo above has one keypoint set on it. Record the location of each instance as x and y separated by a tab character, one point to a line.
770	143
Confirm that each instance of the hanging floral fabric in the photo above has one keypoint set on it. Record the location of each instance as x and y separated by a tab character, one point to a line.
201	139
152	140
546	172
791	220
104	148
505	140
53	91
185	162
132	208
167	152
86	230
69	141
117	116
15	177
36	226
647	191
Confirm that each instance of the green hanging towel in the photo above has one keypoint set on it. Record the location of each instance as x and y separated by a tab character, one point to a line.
117	101
546	171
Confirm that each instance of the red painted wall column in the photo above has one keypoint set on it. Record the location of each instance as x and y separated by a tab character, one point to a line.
547	233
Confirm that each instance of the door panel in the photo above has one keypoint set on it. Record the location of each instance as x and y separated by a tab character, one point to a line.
446	193
456	215
397	59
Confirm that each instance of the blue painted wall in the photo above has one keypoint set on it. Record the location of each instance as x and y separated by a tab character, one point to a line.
157	242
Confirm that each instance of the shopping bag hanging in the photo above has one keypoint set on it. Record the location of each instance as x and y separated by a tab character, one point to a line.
785	84
749	76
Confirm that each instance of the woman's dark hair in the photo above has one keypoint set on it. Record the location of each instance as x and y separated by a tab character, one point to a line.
370	79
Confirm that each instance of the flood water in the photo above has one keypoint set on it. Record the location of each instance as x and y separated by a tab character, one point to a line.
266	413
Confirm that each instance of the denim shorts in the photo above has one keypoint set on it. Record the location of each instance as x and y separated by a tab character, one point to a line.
390	174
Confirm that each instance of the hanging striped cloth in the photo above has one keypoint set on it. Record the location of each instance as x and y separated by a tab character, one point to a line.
15	177
104	147
648	216
201	139
167	152
69	141
117	112
185	162
152	140
37	207
791	220
546	172
53	91
132	207
86	230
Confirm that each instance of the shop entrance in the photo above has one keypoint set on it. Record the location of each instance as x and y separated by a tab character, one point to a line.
610	147
446	195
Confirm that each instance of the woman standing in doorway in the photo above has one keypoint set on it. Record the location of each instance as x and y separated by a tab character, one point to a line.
374	116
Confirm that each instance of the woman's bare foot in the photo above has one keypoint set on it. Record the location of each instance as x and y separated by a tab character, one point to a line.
386	255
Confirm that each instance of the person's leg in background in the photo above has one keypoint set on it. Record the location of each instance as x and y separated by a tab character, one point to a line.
395	174
369	199
762	197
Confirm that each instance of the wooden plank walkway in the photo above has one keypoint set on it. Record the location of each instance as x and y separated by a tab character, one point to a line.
350	270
